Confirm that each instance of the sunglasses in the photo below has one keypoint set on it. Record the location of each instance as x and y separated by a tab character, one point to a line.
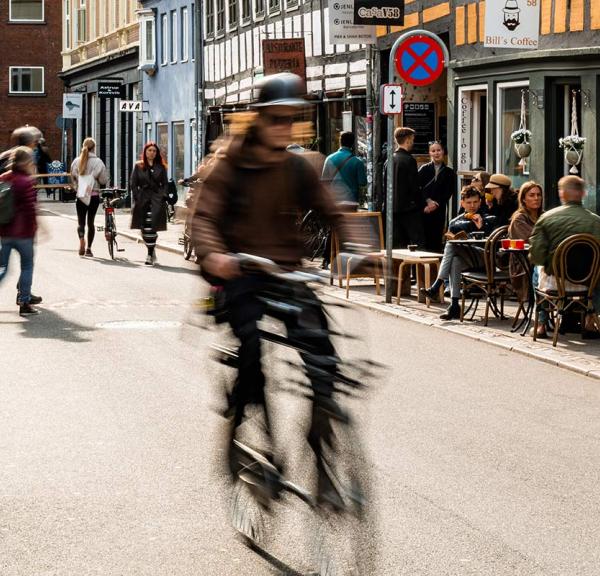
476	179
274	120
432	142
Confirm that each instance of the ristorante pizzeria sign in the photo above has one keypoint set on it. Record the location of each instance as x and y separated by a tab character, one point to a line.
386	12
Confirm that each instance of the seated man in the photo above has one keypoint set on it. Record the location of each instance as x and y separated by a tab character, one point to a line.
458	258
555	226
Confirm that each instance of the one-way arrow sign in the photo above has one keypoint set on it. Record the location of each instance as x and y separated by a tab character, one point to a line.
391	98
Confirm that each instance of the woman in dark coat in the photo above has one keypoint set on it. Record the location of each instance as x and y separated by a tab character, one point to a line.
148	186
438	185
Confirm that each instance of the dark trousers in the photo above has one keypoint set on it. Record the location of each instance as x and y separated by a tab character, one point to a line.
307	330
86	215
408	229
434	225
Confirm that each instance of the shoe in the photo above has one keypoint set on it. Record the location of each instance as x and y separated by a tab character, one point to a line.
453	313
88	252
149	260
32	299
542	333
27	309
429	293
447	292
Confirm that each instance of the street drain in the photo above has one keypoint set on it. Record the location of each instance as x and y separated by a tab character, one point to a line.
138	325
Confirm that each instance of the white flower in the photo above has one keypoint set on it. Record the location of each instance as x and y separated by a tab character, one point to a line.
572	142
521	136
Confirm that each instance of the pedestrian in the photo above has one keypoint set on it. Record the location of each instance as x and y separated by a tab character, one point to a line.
43	159
438	185
501	199
148	185
23	136
19	233
346	173
89	165
408	199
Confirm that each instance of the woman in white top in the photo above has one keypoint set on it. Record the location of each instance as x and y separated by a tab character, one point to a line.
87	163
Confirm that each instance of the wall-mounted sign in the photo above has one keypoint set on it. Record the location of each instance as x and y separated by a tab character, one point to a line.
383	12
343	30
512	24
391	98
111	89
420	116
286	55
72	105
420	59
130	106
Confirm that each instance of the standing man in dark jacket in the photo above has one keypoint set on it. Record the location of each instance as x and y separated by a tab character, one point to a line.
408	200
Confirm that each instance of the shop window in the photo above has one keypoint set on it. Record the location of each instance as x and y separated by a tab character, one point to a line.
508	118
26	10
162	139
471	143
178	151
210	18
27	80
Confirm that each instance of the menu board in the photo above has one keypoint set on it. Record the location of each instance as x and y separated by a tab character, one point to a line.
420	116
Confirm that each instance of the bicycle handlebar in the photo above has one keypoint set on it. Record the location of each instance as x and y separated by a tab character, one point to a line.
251	263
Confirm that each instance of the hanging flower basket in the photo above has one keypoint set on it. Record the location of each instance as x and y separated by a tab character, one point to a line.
521	139
573	149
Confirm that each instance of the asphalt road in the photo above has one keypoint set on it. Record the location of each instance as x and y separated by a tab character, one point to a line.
484	462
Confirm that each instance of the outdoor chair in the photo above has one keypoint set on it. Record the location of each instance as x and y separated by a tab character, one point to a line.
576	266
492	282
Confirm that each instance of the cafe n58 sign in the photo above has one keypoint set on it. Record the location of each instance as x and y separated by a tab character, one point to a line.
381	12
512	24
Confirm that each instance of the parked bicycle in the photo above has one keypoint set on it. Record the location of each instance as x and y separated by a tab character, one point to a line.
185	239
111	198
337	515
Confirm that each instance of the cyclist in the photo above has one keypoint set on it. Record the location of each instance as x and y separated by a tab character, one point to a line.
250	202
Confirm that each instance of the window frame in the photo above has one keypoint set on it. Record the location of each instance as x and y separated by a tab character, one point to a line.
164	39
173	44
31	93
26	20
276	10
145	20
258	15
209	19
232	25
220	31
292	5
185	34
67	24
473	128
245	19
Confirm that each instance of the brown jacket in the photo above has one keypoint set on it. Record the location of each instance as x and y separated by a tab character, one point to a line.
520	228
251	200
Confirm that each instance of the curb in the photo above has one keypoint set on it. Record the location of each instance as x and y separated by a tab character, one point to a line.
500	341
163	246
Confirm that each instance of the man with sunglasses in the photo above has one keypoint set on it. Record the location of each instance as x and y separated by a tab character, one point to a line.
249	203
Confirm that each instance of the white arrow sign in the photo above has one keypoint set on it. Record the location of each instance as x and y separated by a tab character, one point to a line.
130	106
391	99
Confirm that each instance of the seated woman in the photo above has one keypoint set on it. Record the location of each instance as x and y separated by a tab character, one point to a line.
457	258
503	200
521	226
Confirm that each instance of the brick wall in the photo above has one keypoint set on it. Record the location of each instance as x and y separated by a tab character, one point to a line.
32	45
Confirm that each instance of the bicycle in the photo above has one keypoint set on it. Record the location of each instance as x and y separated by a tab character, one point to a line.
111	199
185	239
344	531
315	233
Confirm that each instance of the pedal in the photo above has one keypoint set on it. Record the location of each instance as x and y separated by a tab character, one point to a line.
99	228
180	241
120	249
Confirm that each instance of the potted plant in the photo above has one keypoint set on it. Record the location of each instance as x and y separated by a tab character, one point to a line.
573	150
521	139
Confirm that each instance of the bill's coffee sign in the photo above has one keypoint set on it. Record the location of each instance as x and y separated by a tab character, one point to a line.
284	56
512	24
386	12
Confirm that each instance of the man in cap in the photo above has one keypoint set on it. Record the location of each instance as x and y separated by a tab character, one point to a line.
250	202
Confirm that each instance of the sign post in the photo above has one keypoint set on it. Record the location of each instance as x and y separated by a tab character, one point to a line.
418	57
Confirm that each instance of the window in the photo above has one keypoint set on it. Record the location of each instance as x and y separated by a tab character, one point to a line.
92	27
164	39
26	80
233	16
246	11
274	6
193	32
82	23
178	151
220	15
472	129
148	133
147	39
162	139
259	8
508	120
26	10
185	34
174	36
291	4
67	25
210	18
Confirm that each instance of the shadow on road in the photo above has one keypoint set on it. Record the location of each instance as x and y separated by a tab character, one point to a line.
52	326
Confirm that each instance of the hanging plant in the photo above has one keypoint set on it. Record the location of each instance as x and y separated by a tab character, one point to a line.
573	144
522	136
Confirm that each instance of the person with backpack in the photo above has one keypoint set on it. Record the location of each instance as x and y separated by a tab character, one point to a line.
18	224
345	172
149	192
88	174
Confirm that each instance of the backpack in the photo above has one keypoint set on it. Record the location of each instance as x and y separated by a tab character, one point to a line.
7	203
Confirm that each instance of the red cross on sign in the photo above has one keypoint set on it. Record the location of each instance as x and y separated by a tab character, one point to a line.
420	60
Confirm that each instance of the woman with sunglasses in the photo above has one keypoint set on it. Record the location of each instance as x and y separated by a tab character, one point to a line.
438	184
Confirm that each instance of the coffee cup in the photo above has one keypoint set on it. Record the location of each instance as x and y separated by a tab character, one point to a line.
505	243
520	244
412	247
478	235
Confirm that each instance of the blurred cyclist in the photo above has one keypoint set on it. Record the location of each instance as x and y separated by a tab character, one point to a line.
250	202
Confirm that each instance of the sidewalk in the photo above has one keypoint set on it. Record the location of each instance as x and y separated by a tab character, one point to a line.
571	353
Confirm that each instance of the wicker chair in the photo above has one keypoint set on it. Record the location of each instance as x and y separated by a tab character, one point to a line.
576	266
491	283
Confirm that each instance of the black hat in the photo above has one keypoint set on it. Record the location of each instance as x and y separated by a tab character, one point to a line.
284	89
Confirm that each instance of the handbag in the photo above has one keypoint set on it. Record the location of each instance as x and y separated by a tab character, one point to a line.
85	185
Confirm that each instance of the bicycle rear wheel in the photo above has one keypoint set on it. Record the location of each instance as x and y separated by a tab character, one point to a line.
187	244
110	233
